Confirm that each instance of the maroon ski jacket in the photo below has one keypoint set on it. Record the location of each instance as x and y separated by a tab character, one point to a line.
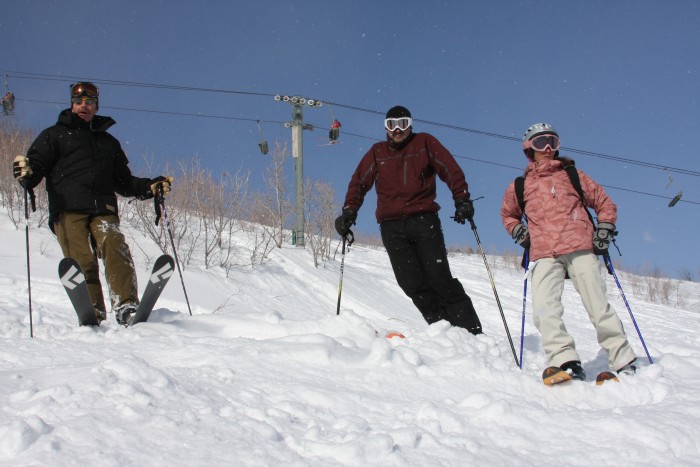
405	177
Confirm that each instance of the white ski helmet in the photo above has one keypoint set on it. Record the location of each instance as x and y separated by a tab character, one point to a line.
536	130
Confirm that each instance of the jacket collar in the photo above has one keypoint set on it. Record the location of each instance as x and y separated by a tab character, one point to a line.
71	120
402	144
544	167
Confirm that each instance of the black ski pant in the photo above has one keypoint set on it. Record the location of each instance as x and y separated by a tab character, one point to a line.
416	248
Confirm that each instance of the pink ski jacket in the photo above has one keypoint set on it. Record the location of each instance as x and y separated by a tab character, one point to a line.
557	221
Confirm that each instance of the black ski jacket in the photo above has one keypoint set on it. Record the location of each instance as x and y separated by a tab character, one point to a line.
84	166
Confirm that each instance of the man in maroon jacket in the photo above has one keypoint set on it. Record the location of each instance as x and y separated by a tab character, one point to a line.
403	168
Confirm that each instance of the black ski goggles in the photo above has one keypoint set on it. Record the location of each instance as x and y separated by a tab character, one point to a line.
84	89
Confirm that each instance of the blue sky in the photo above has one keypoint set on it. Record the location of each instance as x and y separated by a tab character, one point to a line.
616	78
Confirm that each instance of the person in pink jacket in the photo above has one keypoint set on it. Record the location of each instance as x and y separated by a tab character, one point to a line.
561	238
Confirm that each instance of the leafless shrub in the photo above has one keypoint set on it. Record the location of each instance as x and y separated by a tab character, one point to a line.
686	275
141	215
267	212
15	141
514	259
321	207
273	209
224	203
270	214
261	243
45	246
370	240
460	250
651	284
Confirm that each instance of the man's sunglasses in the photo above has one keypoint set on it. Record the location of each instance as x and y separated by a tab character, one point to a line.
85	100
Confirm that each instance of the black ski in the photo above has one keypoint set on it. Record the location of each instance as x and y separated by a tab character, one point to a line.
162	270
73	281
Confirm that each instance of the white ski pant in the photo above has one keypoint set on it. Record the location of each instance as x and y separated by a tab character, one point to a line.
548	276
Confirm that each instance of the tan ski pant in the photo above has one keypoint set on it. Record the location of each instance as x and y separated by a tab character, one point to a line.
548	276
87	237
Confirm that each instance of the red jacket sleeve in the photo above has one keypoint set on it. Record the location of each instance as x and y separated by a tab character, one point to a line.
361	182
447	168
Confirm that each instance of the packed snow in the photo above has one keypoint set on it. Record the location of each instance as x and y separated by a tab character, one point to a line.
265	373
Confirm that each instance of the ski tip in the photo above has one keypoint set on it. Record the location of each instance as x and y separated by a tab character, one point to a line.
554	375
604	376
393	334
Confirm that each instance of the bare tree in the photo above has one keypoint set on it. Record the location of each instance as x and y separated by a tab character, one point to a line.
184	205
320	208
686	275
15	141
659	288
261	243
271	209
142	215
184	209
224	204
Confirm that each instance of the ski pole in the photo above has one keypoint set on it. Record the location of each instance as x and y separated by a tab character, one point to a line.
161	201
608	263
493	286
349	238
26	235
522	328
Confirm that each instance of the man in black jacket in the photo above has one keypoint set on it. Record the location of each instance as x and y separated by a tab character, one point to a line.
85	167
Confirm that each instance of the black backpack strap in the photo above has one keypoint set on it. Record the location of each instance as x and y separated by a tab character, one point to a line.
520	195
520	192
576	182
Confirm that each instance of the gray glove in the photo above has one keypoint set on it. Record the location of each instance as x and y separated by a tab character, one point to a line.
521	236
604	234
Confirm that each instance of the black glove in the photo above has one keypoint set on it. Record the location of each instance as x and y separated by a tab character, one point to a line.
464	210
604	234
345	221
521	236
21	168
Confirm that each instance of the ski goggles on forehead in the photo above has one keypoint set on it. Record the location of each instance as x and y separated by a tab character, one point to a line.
401	123
540	143
84	89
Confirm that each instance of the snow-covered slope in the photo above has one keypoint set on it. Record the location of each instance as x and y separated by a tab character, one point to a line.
265	373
